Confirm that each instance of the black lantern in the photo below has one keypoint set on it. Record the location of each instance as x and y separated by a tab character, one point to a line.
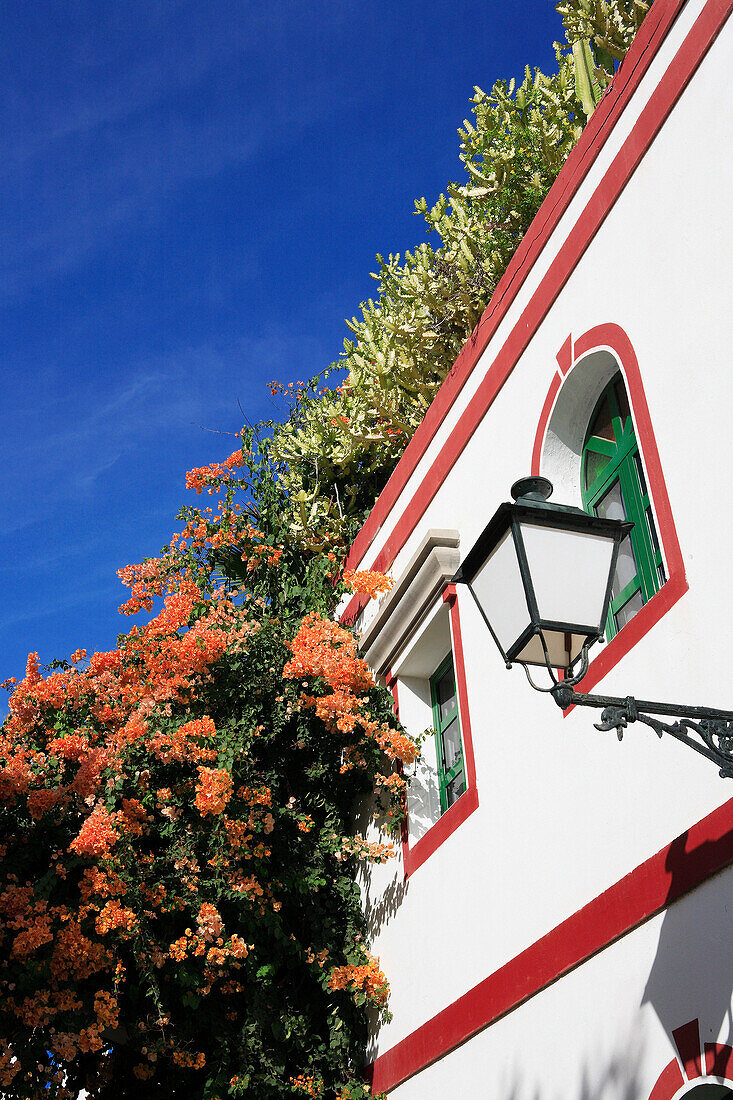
541	575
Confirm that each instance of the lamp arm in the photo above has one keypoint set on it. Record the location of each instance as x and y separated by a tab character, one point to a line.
714	728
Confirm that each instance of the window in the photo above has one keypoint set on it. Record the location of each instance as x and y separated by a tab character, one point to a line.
428	682
448	747
613	486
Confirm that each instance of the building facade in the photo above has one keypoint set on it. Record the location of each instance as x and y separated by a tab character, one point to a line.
559	920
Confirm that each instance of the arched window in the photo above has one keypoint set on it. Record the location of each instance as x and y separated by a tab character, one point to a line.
613	486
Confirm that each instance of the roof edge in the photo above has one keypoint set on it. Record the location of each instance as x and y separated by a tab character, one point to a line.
642	52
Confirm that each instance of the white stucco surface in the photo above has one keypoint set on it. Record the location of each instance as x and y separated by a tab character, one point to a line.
564	811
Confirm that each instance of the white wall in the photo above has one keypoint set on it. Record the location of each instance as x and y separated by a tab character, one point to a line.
565	811
603	1031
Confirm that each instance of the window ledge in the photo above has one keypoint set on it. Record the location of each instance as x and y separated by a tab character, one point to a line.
401	611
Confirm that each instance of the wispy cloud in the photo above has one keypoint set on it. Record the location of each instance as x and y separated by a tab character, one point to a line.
155	102
101	428
79	598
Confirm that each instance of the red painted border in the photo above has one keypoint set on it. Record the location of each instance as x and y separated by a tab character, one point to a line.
669	1082
414	857
718	1062
613	338
655	112
687	862
687	1041
650	36
544	421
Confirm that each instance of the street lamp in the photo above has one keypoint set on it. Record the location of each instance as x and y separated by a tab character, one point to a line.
541	576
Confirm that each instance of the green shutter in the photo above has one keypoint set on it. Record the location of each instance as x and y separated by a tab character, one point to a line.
613	483
448	743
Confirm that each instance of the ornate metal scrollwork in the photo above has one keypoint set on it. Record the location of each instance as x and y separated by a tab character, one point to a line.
715	734
708	732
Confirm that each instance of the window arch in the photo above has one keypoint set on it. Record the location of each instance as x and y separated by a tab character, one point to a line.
613	485
586	365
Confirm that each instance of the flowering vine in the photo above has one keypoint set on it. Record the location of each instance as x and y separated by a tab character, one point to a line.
178	908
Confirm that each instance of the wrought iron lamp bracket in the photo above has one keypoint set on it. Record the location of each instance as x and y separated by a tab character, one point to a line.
708	732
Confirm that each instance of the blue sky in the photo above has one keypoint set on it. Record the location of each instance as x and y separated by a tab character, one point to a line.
192	198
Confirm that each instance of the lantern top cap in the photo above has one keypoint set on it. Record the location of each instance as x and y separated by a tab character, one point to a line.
530	495
532	488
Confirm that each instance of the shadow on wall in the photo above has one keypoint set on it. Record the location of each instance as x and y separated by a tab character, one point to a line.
423	800
380	904
692	972
380	911
618	1079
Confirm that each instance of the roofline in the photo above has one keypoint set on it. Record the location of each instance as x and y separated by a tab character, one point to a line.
644	48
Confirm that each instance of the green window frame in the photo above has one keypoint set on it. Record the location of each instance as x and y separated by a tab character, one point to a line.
448	741
613	485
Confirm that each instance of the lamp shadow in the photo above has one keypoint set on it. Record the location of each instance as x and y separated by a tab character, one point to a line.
692	972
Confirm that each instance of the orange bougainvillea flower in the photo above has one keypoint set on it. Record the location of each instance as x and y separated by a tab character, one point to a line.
97	835
323	648
367	582
213	790
367	979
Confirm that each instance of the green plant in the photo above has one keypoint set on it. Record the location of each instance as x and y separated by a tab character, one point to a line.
339	446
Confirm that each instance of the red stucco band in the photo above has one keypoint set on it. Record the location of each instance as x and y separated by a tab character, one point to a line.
652	32
687	1041
669	1082
660	104
718	1062
689	860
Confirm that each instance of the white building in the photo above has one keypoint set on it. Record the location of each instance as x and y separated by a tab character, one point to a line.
560	921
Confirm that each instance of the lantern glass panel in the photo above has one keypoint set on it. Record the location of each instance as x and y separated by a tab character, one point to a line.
570	572
562	649
499	591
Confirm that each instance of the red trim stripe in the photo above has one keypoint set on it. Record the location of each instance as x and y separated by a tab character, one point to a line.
544	421
687	862
687	1041
719	1061
669	1082
652	33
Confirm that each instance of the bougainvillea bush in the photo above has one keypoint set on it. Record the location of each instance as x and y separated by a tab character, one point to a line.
178	908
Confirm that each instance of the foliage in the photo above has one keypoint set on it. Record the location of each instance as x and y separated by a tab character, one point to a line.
178	906
339	446
611	24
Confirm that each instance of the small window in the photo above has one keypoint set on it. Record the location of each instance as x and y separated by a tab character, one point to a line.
614	487
448	745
